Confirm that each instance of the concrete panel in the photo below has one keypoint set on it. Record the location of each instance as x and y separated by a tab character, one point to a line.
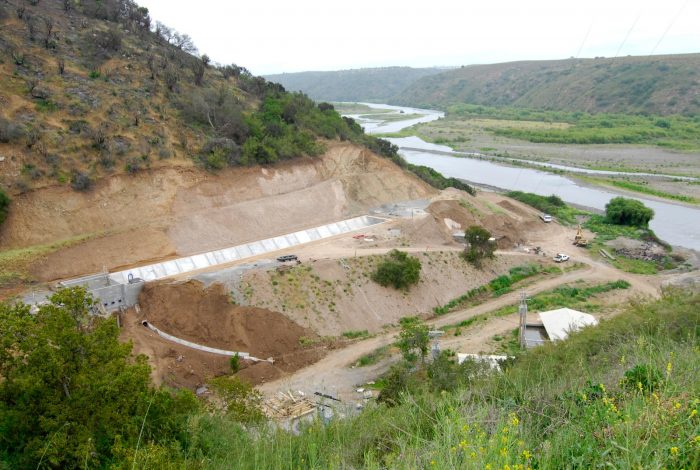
226	255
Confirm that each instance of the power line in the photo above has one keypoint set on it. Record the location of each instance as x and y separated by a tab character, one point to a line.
668	28
585	38
629	31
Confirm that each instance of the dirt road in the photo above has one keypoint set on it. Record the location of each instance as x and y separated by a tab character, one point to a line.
333	374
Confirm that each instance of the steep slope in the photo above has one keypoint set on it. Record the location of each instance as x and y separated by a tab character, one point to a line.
651	84
161	213
371	84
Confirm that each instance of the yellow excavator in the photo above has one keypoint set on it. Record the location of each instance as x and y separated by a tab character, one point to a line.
579	239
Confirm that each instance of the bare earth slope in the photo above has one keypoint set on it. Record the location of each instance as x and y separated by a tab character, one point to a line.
174	211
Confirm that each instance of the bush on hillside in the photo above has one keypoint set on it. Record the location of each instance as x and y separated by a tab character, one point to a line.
80	182
398	270
479	246
623	211
9	131
4	206
547	204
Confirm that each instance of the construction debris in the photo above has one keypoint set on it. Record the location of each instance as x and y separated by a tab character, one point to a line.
286	406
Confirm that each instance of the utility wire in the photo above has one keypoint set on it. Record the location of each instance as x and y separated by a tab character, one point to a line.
668	28
629	31
585	38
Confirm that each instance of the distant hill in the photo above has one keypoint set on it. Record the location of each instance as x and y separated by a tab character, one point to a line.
371	84
650	84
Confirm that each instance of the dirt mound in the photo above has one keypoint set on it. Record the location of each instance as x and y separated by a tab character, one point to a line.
506	221
206	316
510	207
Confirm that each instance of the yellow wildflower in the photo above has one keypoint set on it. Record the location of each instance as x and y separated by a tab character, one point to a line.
506	467
514	419
622	360
693	413
669	368
504	452
526	455
488	466
674	451
639	386
472	455
677	406
432	462
453	449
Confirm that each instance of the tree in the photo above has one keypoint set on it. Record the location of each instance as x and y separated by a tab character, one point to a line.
70	391
413	339
623	211
480	245
4	205
241	401
398	270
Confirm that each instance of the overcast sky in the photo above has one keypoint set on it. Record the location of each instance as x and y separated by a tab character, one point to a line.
274	36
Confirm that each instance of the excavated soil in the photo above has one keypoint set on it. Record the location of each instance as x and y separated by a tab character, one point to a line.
185	210
207	317
508	223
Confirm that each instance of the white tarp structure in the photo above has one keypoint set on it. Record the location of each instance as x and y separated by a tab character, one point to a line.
559	323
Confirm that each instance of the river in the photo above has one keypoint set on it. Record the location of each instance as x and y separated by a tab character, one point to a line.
677	224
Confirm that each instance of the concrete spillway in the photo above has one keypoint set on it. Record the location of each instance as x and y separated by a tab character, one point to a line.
187	264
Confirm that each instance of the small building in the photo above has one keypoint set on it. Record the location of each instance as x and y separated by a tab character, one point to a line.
555	325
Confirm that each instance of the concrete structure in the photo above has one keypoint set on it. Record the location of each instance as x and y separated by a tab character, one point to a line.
555	325
122	288
187	264
110	295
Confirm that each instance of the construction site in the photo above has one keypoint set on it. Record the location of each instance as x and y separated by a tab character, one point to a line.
200	275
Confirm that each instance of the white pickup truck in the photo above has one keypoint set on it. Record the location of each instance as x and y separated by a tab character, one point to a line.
546	218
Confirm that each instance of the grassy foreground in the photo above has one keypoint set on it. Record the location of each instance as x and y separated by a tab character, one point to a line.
625	395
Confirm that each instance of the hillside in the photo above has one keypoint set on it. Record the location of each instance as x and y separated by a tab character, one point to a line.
93	89
370	84
103	112
648	84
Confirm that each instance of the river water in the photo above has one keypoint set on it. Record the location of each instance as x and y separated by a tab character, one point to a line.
677	224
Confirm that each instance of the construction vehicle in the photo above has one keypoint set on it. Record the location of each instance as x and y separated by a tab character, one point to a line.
579	239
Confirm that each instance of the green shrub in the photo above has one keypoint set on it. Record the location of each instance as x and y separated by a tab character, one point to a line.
4	205
398	269
623	211
235	363
480	245
644	377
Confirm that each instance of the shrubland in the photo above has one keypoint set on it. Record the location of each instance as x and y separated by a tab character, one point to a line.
97	89
623	394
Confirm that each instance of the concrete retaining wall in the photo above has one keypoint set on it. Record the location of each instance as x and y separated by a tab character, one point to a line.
109	294
186	264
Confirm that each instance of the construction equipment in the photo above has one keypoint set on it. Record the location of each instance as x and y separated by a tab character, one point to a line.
579	239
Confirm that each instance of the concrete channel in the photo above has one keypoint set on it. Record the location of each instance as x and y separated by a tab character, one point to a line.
153	272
